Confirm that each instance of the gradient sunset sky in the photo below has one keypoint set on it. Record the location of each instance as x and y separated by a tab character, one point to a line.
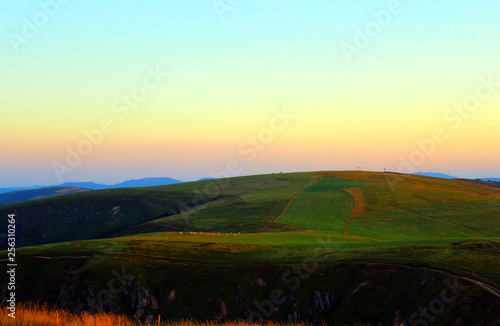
230	68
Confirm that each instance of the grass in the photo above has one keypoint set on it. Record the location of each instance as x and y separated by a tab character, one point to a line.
360	205
266	220
323	206
473	258
247	204
33	315
425	214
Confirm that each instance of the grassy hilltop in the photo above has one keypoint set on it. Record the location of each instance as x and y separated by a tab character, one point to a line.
210	249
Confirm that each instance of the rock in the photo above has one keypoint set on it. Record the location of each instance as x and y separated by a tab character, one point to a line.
261	283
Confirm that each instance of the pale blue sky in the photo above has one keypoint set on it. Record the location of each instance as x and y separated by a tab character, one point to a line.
226	76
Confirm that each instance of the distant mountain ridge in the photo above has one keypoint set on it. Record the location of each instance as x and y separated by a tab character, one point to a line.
145	182
10	189
86	185
16	195
25	195
491	179
435	175
446	176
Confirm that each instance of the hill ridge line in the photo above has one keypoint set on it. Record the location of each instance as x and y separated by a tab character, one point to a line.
297	195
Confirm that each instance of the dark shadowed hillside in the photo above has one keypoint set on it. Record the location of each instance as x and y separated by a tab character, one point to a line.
24	195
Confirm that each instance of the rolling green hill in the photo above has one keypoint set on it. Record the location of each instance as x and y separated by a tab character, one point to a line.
204	232
374	206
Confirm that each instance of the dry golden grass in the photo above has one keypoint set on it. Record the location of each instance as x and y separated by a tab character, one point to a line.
31	315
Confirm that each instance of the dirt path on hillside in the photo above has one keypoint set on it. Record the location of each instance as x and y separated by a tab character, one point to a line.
490	288
358	209
492	245
152	205
297	195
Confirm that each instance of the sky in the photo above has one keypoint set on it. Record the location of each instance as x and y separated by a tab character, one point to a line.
107	91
